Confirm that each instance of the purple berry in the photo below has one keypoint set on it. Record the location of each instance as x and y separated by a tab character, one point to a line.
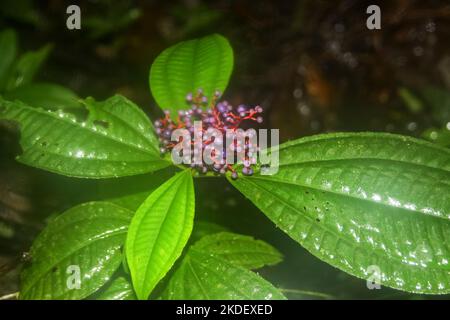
167	133
241	108
246	171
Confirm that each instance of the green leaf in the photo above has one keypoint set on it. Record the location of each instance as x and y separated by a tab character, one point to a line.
439	136
159	231
27	66
8	49
239	250
357	200
138	188
414	104
204	228
119	289
89	236
204	276
204	63
117	139
438	100
45	95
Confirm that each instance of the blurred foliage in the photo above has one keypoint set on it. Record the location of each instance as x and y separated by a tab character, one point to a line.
17	75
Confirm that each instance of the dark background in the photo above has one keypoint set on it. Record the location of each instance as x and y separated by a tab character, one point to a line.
312	65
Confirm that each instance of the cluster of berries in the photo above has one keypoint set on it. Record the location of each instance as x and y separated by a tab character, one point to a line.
213	115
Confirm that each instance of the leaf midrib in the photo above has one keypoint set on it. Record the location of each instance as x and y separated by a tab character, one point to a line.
375	159
79	126
377	251
345	196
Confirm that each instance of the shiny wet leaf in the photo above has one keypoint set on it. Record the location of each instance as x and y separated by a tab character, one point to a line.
239	250
203	275
159	231
373	205
118	289
87	239
205	63
115	140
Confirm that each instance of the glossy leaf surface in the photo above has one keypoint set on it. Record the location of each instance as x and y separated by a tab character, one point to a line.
203	275
115	140
370	204
204	63
87	238
239	250
159	231
119	289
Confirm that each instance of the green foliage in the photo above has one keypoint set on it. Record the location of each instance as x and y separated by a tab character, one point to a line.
438	136
438	100
138	188
207	274
26	67
159	231
117	15
44	95
8	48
204	228
89	236
16	77
204	63
115	140
353	200
118	289
357	200
239	250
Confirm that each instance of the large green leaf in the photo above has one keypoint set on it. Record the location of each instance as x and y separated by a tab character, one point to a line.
89	237
27	66
204	63
119	289
8	48
357	200
239	250
159	231
45	95
204	228
204	275
117	139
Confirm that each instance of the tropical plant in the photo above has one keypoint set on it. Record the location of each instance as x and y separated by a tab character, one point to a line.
354	200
